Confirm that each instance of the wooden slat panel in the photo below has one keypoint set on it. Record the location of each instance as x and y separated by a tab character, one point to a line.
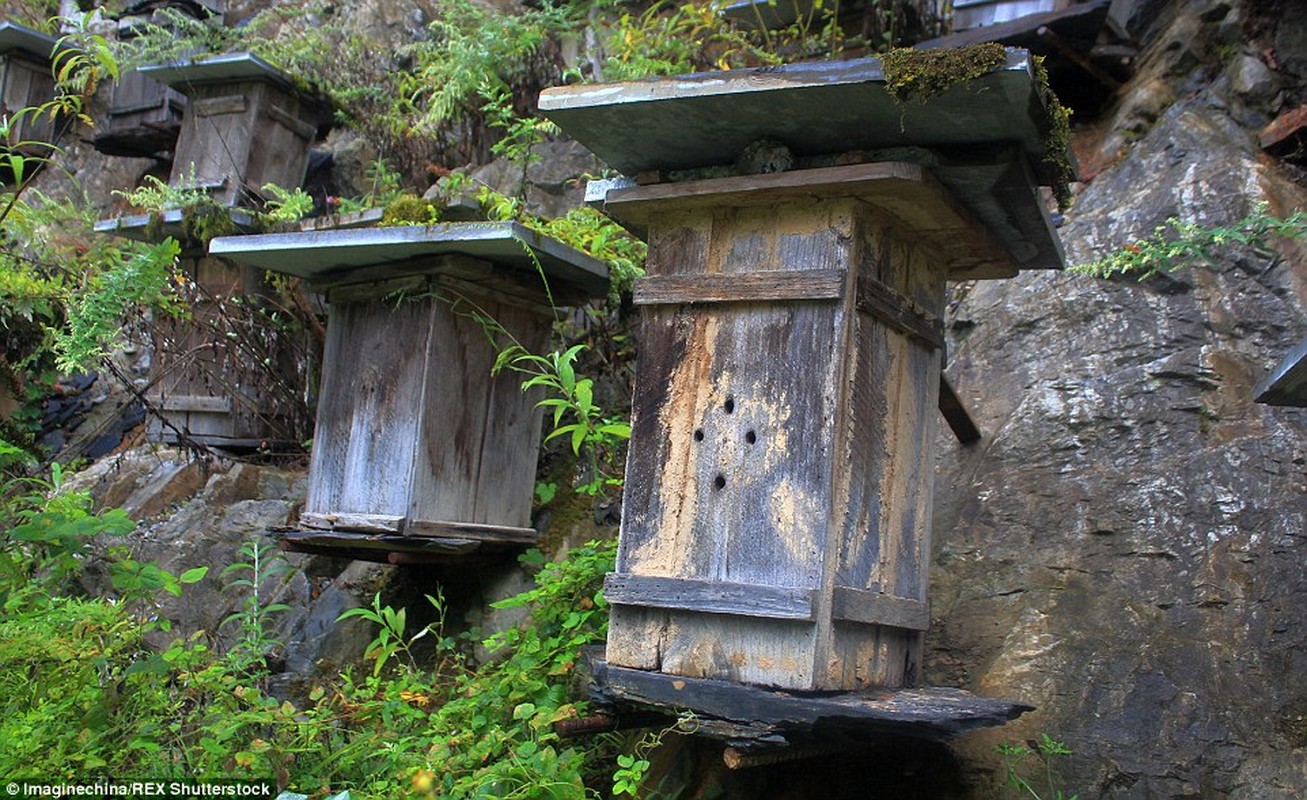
454	395
471	531
282	154
874	608
505	479
892	308
367	425
711	597
822	284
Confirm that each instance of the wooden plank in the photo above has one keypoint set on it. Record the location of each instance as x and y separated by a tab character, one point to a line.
453	397
874	608
753	287
877	178
936	713
304	130
212	405
367	425
711	597
506	473
472	531
364	523
386	549
1286	383
217	106
892	308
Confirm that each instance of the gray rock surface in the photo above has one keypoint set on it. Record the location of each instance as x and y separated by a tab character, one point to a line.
1127	546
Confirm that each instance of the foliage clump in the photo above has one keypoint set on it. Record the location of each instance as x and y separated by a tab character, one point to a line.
912	74
1177	243
1057	136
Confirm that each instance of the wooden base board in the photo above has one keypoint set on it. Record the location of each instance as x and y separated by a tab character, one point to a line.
393	549
746	716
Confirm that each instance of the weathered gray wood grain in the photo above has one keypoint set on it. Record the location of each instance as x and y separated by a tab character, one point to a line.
711	597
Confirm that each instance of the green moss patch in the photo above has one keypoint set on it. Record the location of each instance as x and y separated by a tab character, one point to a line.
920	74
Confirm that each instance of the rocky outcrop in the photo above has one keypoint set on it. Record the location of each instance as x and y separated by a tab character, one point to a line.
1126	546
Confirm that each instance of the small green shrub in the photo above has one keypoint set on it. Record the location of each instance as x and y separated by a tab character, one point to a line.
1020	760
1177	243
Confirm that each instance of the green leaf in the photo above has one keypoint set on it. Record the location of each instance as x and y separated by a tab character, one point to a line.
193	575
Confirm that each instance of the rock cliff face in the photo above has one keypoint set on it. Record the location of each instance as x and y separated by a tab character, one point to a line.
1127	546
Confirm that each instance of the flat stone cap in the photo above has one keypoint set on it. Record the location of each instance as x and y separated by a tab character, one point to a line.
225	68
365	254
815	108
983	139
22	39
1286	384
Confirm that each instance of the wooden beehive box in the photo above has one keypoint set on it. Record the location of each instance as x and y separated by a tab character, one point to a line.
247	124
776	525
26	81
416	441
207	387
238	392
145	115
145	118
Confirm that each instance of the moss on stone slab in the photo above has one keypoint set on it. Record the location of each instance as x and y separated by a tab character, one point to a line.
920	74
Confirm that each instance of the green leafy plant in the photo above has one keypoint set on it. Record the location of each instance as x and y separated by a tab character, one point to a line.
1017	757
391	640
47	532
286	205
263	564
575	415
1178	243
633	767
140	280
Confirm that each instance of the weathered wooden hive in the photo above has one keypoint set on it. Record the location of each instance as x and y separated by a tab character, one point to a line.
776	516
26	81
145	115
420	453
247	124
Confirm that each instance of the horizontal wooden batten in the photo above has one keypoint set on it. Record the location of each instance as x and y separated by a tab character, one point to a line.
711	597
292	123
471	530
895	310
812	284
874	608
218	106
196	403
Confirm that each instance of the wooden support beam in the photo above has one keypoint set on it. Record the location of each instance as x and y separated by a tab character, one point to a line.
1076	57
955	414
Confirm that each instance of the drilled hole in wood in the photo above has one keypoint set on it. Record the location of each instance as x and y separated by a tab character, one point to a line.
750	437
698	434
730	405
719	482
